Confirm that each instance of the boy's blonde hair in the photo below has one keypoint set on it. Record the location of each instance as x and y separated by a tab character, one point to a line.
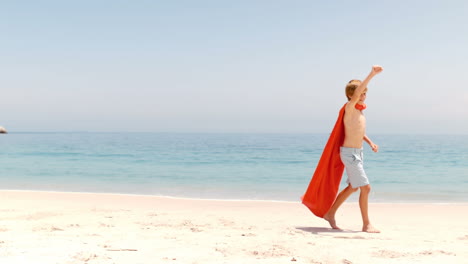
351	86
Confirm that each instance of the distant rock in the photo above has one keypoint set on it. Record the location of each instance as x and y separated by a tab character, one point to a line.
3	130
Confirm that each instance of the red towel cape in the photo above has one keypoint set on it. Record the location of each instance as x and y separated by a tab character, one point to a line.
323	187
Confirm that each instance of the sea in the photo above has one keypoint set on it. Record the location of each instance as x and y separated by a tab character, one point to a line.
228	166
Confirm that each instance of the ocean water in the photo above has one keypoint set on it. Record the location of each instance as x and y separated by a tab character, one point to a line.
408	168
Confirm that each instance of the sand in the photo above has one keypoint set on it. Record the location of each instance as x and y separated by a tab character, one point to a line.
52	227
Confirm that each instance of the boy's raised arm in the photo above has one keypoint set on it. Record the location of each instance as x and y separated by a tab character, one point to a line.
376	69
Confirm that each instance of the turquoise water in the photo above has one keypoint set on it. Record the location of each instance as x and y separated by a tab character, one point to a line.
415	168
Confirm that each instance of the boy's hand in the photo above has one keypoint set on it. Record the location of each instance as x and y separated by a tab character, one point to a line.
374	147
376	69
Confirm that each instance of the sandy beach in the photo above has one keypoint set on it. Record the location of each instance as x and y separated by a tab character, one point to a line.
50	227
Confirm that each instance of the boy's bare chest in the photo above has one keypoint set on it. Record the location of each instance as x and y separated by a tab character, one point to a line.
355	120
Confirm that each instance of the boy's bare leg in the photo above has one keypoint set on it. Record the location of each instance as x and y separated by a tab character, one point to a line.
364	205
330	215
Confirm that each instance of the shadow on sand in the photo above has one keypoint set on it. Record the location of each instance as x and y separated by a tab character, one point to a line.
320	230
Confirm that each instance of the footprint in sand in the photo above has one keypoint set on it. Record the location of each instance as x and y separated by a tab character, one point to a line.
85	257
196	230
226	222
274	251
350	237
436	252
390	254
47	228
105	225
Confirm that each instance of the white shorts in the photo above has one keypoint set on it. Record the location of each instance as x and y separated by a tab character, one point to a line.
353	158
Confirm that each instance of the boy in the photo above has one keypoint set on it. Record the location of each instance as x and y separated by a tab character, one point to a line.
351	151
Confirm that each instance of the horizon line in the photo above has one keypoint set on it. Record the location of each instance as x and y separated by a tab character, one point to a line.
218	132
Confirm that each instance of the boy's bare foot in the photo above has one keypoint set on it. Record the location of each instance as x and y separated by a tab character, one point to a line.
370	229
331	220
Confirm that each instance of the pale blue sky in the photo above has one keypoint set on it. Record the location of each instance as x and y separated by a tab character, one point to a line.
231	66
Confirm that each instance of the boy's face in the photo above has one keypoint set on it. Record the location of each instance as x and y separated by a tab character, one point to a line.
362	98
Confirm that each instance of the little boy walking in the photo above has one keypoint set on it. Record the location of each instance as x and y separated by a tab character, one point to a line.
351	151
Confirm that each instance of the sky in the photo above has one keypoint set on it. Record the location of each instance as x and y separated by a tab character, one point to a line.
231	66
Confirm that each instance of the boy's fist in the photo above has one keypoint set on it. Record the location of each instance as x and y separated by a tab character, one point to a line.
376	69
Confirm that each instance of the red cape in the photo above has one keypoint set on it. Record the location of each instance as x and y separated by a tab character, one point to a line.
323	187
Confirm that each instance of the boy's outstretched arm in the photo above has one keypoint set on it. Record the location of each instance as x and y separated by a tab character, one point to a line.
376	69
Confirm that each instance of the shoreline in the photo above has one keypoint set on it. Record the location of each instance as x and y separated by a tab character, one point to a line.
350	200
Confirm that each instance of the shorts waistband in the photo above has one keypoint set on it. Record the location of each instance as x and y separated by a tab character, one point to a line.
347	150
352	148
